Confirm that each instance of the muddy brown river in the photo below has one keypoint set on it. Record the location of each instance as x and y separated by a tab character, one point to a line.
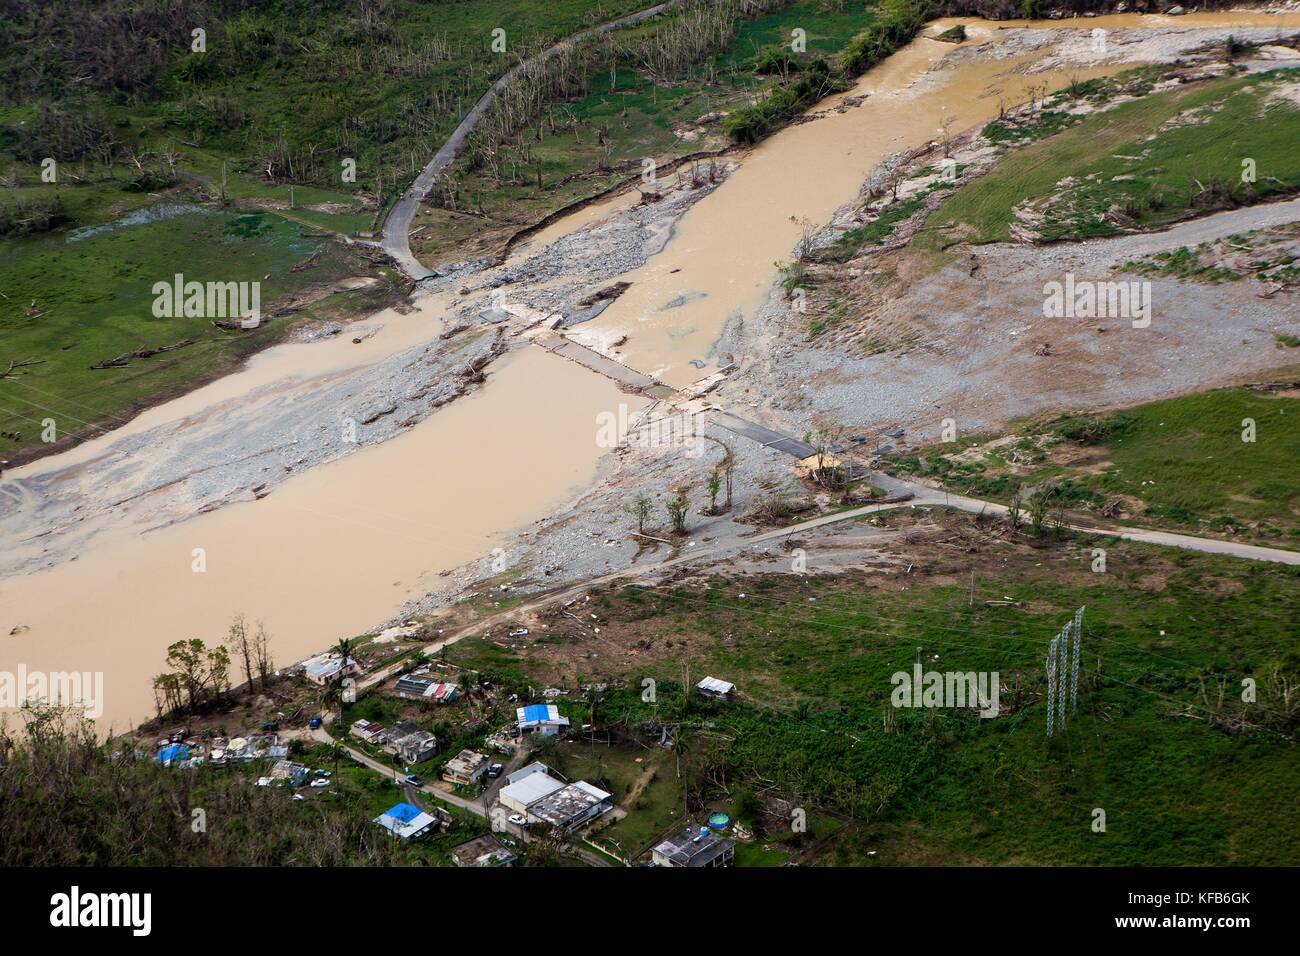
337	549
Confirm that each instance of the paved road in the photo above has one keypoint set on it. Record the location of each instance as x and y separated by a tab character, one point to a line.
765	436
396	239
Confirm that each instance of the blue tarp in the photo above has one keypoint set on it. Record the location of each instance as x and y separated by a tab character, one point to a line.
403	813
537	712
173	754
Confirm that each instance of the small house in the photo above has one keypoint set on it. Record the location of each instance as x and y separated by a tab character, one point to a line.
465	769
406	822
411	743
715	689
292	773
484	850
520	794
542	719
369	731
321	670
570	807
410	686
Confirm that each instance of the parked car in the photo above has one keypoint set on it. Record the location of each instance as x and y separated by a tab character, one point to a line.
494	771
518	819
321	773
314	723
320	783
414	780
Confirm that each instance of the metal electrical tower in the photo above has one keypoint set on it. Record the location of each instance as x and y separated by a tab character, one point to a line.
1074	669
1062	664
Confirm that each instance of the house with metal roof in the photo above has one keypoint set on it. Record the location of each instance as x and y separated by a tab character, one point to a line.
543	719
695	847
369	731
406	821
715	689
293	773
572	806
521	794
321	670
416	686
535	767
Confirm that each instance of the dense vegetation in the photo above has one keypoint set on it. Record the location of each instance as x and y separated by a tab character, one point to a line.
68	800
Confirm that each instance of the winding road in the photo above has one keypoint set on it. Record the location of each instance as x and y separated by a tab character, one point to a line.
396	240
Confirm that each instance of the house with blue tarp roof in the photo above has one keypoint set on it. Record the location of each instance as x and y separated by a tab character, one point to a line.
406	821
544	719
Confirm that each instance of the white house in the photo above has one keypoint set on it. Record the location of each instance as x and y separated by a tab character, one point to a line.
524	791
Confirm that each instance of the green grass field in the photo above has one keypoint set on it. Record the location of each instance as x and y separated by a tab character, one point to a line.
1166	632
1181	463
1176	790
1194	165
94	287
634	112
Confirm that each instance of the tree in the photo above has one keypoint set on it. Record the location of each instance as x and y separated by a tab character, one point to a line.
198	675
640	509
240	643
823	439
1039	504
262	654
728	471
677	508
713	486
680	747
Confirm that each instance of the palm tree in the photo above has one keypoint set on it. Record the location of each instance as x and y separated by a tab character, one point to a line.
679	747
344	648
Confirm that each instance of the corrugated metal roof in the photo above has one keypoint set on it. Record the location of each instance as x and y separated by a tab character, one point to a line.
531	789
715	685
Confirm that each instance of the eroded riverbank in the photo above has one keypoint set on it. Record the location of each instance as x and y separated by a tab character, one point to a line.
339	547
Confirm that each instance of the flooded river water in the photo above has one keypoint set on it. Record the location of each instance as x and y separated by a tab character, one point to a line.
341	547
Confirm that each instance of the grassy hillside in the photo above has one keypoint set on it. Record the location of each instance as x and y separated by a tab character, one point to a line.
1103	175
1180	464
